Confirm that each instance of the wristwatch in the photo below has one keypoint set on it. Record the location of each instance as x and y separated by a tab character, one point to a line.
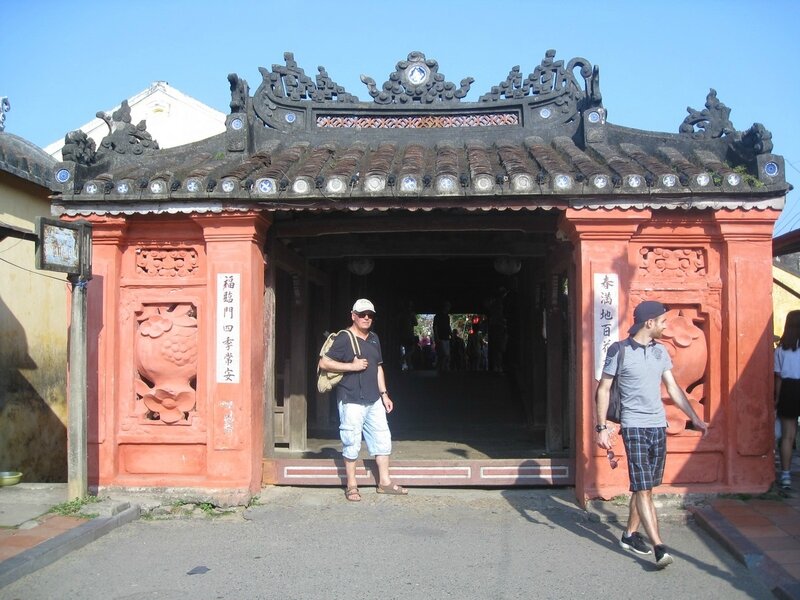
599	428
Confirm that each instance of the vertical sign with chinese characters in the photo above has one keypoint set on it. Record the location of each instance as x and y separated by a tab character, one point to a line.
606	317
228	327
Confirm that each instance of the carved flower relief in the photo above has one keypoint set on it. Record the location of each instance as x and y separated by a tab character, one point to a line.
688	348
176	262
166	360
673	263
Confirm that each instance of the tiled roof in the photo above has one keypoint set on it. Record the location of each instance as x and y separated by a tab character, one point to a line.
535	144
26	160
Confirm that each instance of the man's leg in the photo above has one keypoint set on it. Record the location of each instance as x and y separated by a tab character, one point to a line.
350	425
383	470
646	513
633	516
350	471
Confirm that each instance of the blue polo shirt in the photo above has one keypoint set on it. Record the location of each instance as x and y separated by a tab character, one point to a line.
360	387
640	382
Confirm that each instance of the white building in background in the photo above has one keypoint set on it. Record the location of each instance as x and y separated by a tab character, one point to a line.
172	117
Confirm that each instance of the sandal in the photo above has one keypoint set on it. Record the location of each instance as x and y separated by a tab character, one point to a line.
392	489
352	495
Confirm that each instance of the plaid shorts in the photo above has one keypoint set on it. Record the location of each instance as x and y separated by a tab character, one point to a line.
646	448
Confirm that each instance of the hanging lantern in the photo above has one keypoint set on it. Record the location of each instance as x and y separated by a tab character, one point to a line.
360	266
507	265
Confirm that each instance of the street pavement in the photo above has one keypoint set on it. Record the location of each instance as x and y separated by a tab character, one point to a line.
309	543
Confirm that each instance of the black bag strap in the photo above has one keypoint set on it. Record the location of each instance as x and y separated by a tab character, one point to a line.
353	342
621	345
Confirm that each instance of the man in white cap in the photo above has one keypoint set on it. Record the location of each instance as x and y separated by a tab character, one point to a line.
362	398
645	365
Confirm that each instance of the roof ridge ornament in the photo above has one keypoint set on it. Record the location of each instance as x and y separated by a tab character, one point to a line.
5	106
711	122
549	79
78	148
290	82
417	79
124	137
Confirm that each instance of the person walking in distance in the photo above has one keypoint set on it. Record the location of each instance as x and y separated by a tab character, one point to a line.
787	391
645	365
362	399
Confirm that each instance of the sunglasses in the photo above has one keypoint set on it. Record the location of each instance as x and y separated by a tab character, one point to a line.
612	460
365	315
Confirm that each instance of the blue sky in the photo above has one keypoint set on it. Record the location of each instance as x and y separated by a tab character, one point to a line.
64	61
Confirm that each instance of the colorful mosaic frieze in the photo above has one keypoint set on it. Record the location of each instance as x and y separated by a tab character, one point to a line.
421	122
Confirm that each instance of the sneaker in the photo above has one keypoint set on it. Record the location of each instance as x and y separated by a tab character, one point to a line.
663	557
786	482
635	543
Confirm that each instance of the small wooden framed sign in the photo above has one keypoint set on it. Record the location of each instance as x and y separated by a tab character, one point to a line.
64	246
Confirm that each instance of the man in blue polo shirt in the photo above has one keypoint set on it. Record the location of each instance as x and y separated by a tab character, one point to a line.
645	365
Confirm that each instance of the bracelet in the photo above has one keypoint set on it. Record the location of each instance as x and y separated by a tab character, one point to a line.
384	392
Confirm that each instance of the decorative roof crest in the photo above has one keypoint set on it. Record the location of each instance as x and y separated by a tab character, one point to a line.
78	148
292	83
711	122
124	137
5	106
549	79
417	79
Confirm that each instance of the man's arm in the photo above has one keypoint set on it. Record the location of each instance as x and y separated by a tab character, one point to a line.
682	402
326	363
387	401
602	397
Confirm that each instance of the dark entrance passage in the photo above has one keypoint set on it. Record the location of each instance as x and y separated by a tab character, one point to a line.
516	411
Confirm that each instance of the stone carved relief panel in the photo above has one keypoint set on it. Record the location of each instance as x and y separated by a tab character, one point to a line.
687	343
672	263
166	262
165	350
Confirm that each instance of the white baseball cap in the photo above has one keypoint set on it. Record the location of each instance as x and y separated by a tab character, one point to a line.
362	305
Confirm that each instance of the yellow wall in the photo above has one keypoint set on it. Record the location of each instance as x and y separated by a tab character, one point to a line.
784	300
33	345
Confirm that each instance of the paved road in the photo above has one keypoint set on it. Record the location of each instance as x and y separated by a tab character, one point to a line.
311	544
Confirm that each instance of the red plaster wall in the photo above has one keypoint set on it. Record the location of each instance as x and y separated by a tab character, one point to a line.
219	445
722	289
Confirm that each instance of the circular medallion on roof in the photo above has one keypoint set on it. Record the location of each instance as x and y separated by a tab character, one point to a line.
703	179
634	181
290	117
563	182
91	188
335	185
265	186
600	181
733	179
594	117
193	185
771	169
408	184
522	183
669	180
545	113
418	74
483	183
228	185
157	186
301	186
446	184
237	124
374	183
123	187
63	175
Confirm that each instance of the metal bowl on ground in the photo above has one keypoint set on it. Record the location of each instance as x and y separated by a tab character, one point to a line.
10	477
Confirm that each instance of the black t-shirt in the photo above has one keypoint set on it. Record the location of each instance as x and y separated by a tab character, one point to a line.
362	386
